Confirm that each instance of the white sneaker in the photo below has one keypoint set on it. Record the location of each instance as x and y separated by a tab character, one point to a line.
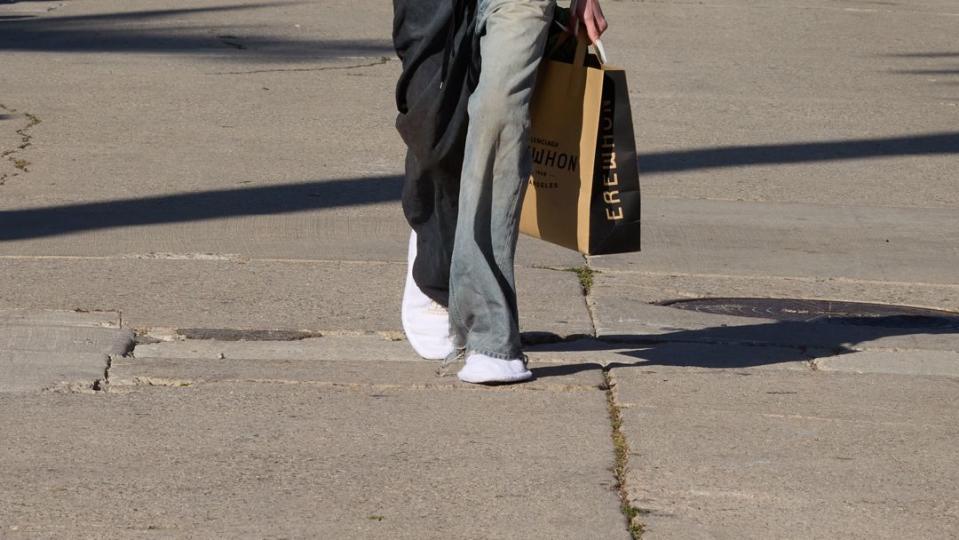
426	323
480	369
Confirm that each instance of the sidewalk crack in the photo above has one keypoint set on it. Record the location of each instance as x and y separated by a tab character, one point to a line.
12	155
382	60
586	278
634	526
101	385
586	275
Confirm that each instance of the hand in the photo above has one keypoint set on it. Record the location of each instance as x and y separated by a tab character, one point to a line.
589	13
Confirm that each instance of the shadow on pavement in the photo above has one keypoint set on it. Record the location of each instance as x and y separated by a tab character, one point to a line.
931	54
150	31
777	154
951	70
939	75
302	197
926	71
252	201
731	347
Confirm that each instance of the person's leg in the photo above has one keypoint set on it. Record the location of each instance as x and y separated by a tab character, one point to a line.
430	206
432	121
496	168
426	291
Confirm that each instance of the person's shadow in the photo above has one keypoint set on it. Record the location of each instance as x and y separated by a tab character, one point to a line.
731	347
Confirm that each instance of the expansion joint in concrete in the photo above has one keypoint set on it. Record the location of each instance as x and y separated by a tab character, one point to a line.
586	277
631	514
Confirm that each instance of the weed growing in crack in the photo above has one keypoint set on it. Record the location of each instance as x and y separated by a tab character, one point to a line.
585	275
621	460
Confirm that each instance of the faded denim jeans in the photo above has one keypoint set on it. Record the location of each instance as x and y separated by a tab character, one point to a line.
496	168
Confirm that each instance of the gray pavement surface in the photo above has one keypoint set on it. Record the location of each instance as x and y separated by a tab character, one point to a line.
227	170
40	349
779	454
305	461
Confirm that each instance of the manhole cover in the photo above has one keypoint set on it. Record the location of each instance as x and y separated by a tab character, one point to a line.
856	313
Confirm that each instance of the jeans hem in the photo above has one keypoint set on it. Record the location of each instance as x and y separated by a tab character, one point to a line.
498	356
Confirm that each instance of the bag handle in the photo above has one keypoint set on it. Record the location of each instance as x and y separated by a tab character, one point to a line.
581	42
600	51
579	59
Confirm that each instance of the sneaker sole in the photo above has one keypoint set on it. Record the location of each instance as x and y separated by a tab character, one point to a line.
519	377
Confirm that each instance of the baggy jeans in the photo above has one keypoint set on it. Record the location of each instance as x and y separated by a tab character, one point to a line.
496	168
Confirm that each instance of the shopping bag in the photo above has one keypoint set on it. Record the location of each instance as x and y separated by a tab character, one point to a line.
583	192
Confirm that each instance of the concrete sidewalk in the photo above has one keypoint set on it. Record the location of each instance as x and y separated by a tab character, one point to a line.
203	251
308	448
352	436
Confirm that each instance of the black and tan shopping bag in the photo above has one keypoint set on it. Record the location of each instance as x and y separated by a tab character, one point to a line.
584	189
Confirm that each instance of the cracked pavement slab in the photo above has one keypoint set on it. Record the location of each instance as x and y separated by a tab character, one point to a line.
49	349
245	460
785	454
30	371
